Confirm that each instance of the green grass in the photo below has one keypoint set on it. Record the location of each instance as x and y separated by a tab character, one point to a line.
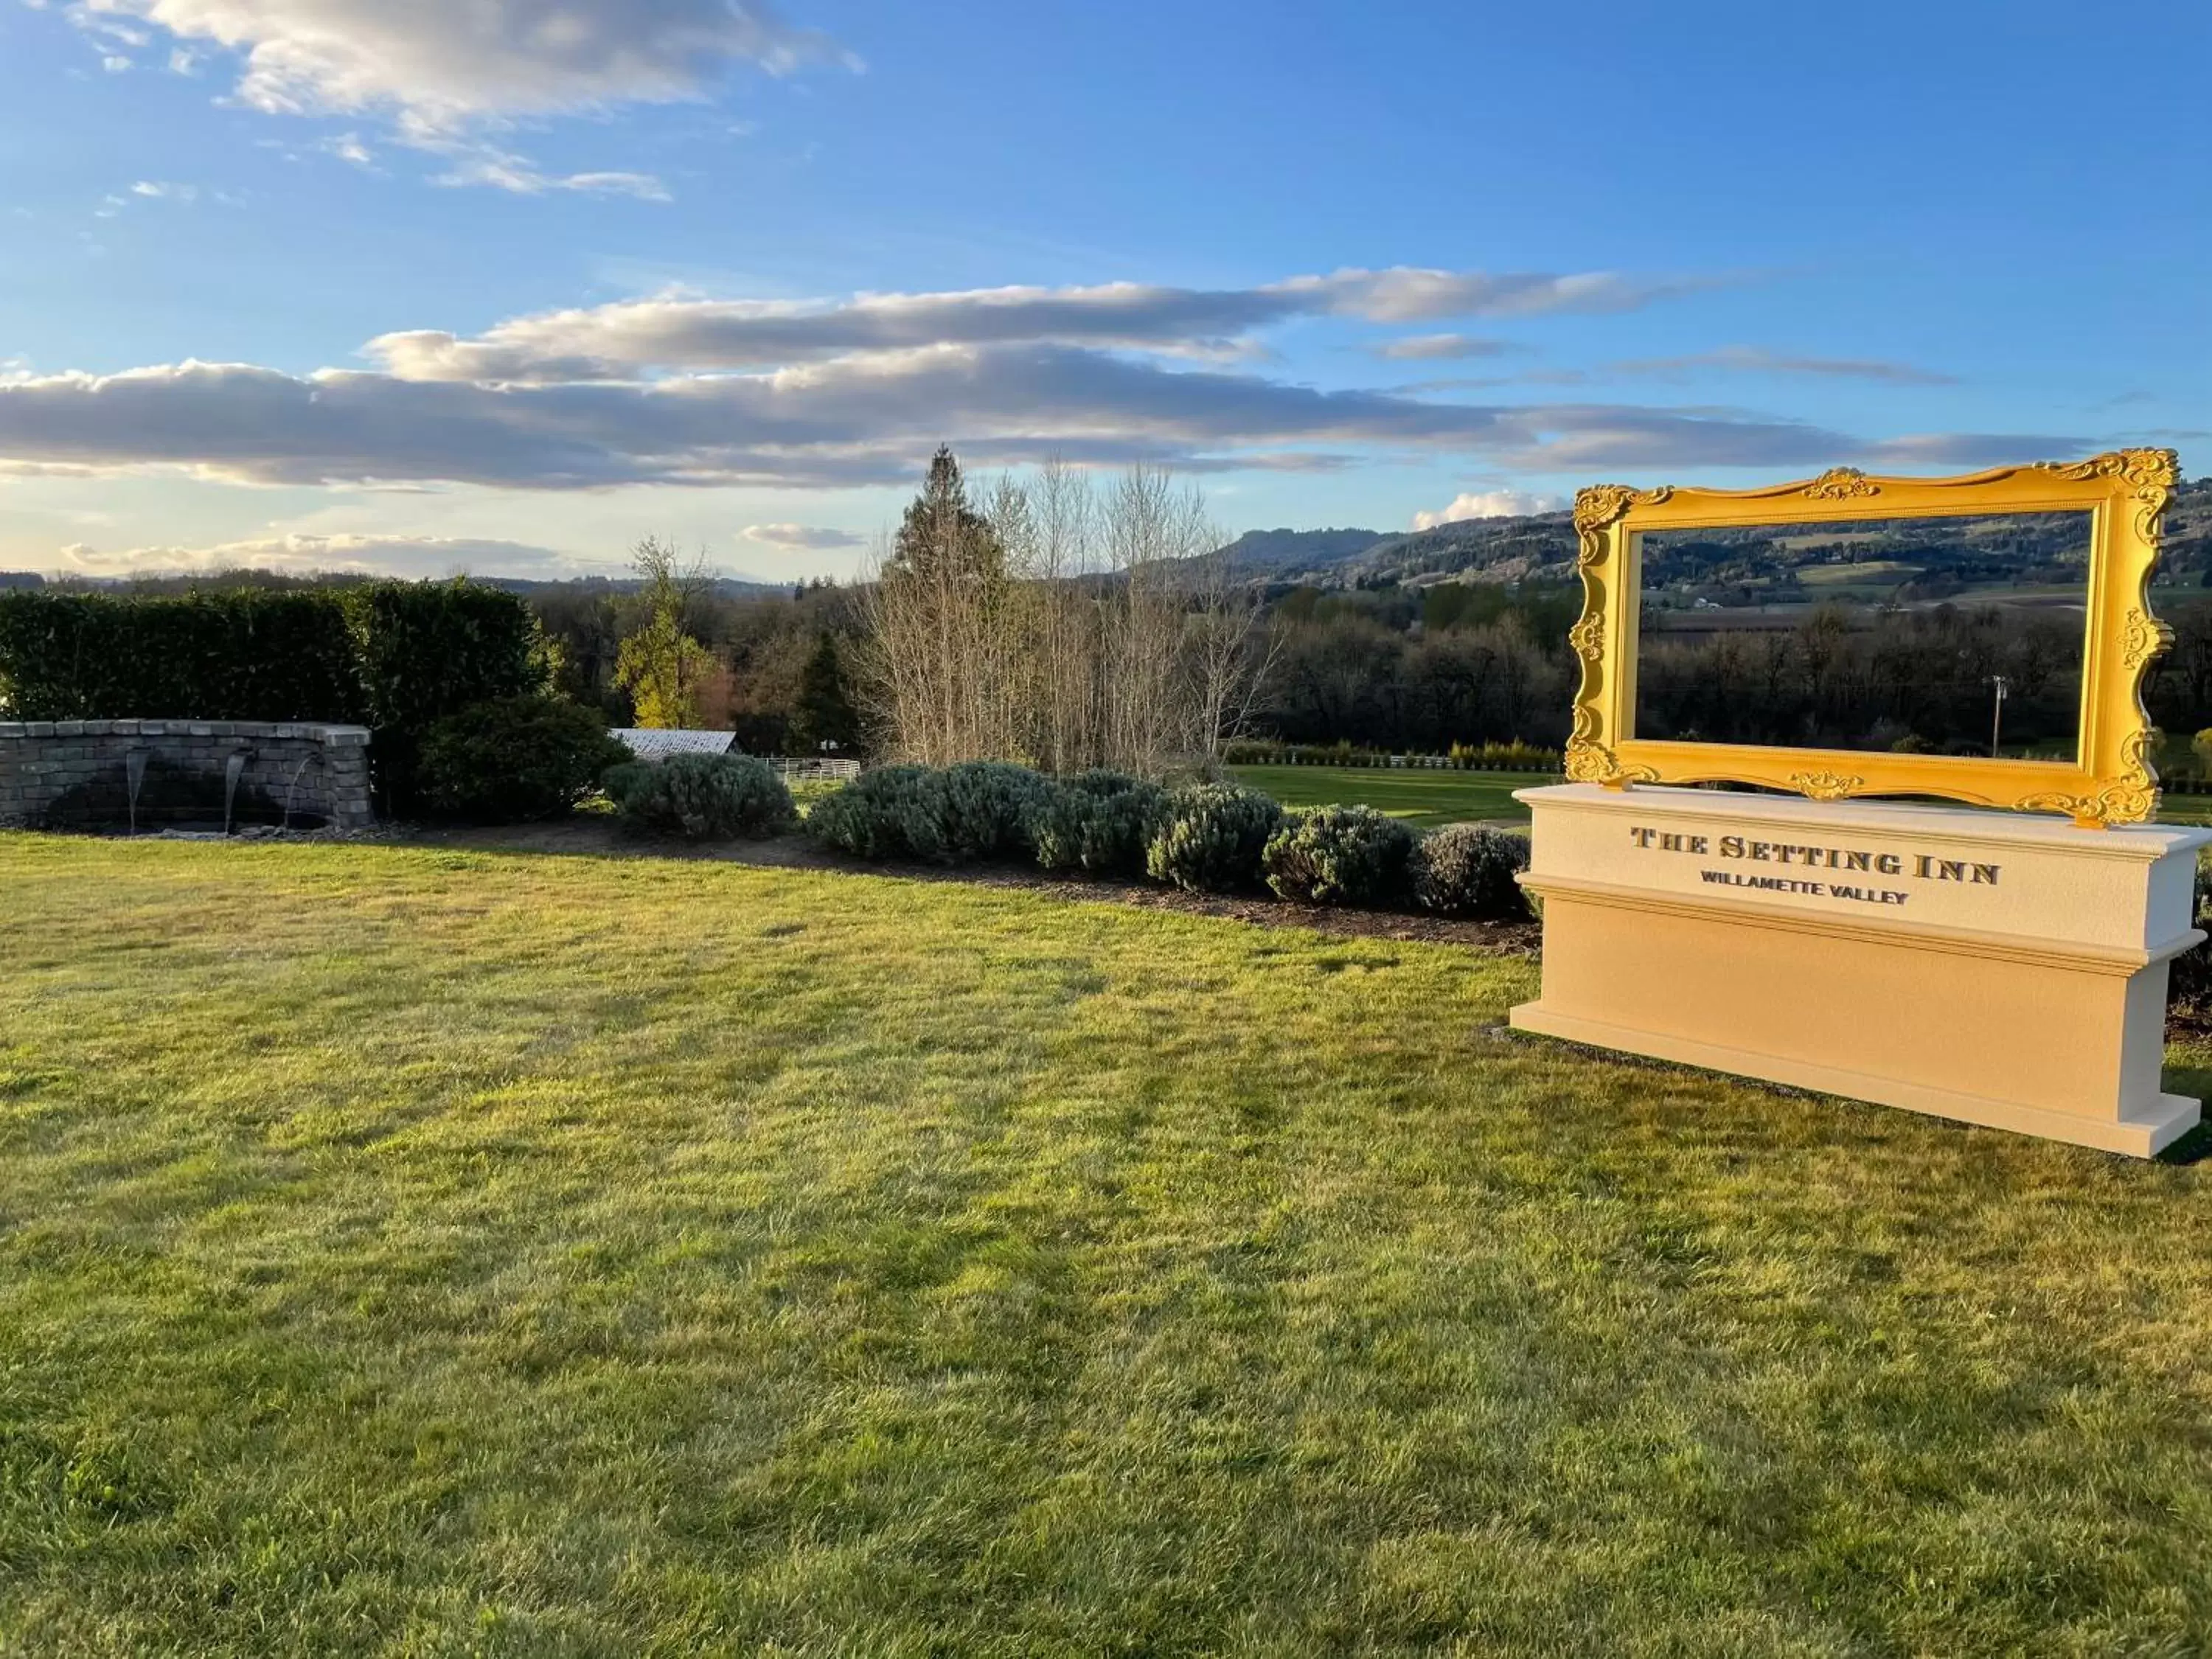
1424	799
415	1252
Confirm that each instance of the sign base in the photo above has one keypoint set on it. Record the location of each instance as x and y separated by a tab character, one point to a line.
1993	968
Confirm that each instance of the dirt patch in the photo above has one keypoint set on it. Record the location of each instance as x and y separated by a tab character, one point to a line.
597	836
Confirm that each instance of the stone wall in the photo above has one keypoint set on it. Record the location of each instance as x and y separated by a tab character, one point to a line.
68	774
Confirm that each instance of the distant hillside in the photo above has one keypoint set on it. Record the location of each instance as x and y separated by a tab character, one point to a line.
1541	547
1495	550
1283	552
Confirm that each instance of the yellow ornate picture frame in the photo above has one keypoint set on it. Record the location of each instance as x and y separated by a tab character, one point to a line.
2112	780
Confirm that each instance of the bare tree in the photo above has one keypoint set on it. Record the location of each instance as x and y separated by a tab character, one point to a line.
1060	628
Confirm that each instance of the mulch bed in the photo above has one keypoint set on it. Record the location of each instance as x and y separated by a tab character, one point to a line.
598	836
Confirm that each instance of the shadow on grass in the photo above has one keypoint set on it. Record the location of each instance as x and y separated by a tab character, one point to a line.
2193	1079
595	837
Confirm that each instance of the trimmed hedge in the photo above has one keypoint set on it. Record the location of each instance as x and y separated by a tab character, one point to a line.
516	758
397	657
1340	855
1211	837
1514	756
428	650
239	654
702	796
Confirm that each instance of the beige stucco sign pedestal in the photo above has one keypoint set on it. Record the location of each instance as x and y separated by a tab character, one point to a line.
1997	968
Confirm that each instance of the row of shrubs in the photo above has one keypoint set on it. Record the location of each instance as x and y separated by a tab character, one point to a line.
530	756
1205	837
1514	756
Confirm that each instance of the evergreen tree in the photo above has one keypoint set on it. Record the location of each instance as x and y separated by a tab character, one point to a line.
942	536
824	713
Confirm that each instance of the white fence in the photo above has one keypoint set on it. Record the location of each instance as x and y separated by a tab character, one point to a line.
807	770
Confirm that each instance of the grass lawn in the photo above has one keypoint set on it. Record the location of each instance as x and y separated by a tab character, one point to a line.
1424	799
414	1252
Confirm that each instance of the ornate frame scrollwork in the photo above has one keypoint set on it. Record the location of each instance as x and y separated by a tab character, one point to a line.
2111	779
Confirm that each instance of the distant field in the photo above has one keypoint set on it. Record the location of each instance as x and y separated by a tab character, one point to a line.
1424	799
1819	575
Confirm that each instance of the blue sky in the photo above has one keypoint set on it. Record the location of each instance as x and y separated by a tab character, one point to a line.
407	285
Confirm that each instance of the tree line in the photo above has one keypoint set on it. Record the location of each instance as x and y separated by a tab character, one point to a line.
1070	622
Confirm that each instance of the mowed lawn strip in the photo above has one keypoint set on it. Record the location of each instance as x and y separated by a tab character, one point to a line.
406	1251
1424	798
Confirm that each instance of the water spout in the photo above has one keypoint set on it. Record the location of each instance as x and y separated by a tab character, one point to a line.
292	788
134	778
232	769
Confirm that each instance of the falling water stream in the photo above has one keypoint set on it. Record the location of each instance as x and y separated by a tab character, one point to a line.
134	777
293	788
232	770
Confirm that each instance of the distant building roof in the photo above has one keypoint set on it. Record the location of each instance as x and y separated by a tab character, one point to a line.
651	743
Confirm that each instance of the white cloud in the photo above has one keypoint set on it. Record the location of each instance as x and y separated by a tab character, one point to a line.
1758	360
444	73
670	331
810	538
502	170
159	191
1407	293
863	418
1488	504
1432	347
381	554
116	63
349	147
441	65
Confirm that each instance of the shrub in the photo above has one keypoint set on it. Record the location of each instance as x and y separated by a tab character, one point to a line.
1467	870
1210	838
1096	821
975	811
876	815
1514	756
984	810
705	797
516	758
426	650
1339	856
240	654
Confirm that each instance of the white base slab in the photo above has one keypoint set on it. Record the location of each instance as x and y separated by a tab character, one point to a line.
2177	1115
